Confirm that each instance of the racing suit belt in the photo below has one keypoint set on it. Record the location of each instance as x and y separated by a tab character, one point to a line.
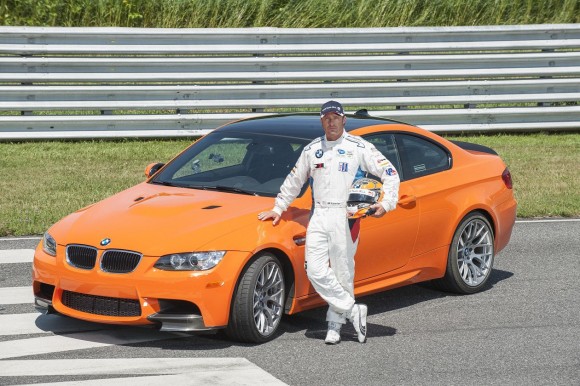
329	204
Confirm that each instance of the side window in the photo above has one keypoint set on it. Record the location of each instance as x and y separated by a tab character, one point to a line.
421	157
385	143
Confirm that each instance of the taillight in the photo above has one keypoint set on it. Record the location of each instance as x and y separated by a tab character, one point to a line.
506	176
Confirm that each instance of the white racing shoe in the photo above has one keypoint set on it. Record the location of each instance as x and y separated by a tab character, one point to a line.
358	317
333	334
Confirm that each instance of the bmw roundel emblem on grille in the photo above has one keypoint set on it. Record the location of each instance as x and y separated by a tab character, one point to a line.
105	242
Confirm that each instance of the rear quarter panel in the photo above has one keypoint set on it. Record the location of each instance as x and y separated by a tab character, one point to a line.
473	183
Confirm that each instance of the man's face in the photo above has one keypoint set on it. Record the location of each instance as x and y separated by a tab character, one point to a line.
333	126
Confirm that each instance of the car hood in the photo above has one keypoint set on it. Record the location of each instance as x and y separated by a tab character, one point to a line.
156	220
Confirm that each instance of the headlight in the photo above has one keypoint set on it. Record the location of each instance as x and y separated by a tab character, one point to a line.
192	261
49	244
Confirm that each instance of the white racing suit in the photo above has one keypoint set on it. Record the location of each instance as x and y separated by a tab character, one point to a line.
331	237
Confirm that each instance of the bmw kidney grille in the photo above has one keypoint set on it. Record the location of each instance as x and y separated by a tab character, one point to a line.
81	256
112	260
119	261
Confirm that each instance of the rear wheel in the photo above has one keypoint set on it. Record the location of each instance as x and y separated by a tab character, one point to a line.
258	303
470	259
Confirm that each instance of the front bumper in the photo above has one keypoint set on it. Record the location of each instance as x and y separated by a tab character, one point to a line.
176	301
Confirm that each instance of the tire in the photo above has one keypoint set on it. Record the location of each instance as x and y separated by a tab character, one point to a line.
470	258
258	303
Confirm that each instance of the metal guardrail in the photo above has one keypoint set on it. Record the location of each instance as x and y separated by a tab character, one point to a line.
121	82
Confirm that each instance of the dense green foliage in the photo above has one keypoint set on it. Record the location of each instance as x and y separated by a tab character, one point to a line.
284	13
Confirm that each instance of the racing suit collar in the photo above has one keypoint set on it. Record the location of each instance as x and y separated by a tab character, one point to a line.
330	144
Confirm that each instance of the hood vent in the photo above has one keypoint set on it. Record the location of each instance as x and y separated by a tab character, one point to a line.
212	207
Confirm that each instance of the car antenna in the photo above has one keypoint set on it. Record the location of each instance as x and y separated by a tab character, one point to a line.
362	113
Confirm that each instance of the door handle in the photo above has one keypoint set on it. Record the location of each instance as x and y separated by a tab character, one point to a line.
406	200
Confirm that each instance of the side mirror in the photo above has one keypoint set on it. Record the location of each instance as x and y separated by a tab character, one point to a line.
153	168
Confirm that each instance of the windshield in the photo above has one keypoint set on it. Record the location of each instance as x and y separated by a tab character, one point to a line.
243	163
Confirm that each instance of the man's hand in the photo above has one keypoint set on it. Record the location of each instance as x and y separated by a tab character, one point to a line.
263	216
377	210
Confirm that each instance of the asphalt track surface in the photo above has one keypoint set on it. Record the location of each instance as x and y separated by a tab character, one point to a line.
524	328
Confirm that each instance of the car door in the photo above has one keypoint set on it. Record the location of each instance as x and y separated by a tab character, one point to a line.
424	165
387	243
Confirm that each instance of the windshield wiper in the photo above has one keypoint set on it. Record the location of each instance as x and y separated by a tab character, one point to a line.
219	188
222	188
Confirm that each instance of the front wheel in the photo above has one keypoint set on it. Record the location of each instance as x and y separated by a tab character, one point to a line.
258	302
470	259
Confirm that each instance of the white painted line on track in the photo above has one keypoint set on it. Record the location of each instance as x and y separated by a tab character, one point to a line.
20	238
548	220
190	378
16	256
81	341
16	295
36	323
182	371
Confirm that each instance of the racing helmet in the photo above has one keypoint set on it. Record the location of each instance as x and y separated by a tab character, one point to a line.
363	193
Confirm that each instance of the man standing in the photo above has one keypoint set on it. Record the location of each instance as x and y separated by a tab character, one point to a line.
333	162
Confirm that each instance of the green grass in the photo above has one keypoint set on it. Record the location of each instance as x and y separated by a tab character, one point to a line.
284	13
43	181
40	182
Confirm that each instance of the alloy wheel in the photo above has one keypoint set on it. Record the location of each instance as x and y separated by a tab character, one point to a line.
475	252
268	298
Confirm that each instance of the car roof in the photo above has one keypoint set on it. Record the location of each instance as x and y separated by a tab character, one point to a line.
303	125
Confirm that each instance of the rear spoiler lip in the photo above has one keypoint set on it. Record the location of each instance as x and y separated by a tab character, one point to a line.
474	147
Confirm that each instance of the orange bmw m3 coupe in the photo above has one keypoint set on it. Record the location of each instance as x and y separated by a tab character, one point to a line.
185	251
